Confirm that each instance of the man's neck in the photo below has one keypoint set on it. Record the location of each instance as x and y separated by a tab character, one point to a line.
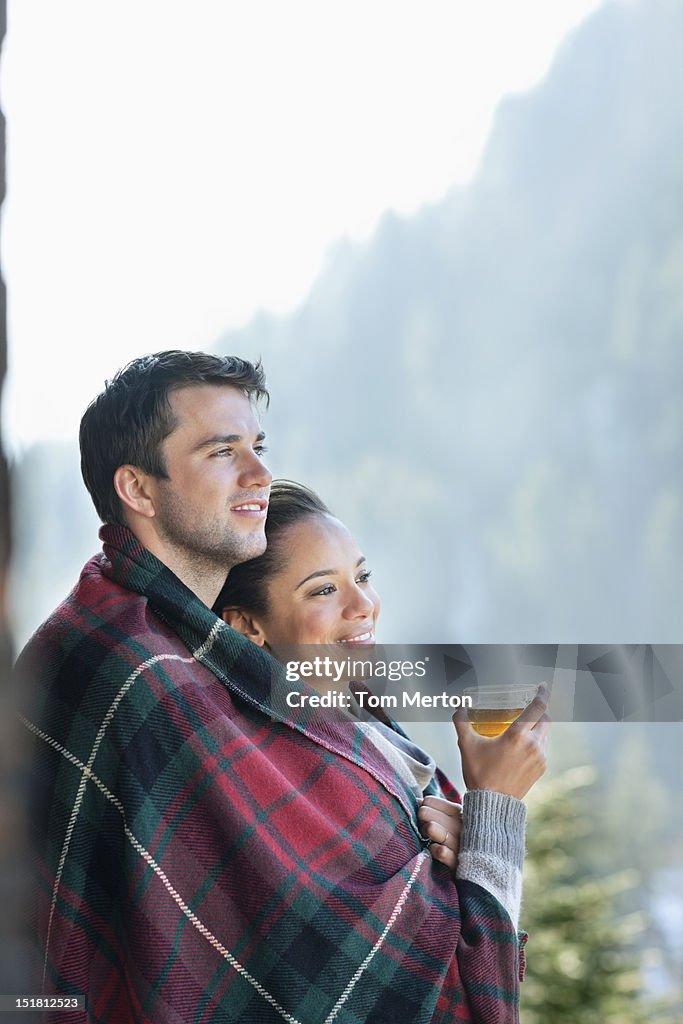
200	574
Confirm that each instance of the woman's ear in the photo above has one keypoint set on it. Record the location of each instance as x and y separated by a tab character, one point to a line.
245	624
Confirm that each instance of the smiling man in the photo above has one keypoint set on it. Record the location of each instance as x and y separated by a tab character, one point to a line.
172	450
201	854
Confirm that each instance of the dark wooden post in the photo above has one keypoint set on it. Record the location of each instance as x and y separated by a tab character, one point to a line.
16	953
4	489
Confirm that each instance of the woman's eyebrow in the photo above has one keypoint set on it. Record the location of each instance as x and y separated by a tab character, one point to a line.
326	572
320	572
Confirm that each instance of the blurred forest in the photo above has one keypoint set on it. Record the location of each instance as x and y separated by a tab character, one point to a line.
488	393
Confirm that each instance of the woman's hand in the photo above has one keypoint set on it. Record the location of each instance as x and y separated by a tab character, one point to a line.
509	763
441	821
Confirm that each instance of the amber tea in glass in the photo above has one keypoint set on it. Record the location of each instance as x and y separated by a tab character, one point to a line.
494	708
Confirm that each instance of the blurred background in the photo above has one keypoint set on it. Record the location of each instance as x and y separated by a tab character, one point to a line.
454	234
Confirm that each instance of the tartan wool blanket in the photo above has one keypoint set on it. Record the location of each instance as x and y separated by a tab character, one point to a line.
203	859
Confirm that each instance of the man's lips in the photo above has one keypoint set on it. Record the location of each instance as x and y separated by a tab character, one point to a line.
359	639
254	507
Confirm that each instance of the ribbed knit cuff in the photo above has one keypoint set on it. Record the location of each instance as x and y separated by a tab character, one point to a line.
493	824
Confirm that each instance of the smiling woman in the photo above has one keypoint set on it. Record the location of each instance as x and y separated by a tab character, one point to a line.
312	586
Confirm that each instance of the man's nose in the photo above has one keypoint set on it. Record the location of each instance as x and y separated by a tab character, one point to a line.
254	472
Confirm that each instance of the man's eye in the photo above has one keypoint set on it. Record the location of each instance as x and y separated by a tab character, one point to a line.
222	451
260	449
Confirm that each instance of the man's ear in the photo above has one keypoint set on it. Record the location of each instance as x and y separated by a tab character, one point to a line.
245	624
132	487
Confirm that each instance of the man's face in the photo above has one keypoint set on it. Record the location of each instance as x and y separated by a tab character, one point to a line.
213	505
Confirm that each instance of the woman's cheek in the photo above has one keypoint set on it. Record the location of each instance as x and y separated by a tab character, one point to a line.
318	625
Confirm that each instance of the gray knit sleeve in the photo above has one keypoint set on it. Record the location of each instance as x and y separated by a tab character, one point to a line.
492	846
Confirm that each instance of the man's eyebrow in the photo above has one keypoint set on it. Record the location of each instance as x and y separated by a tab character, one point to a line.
227	439
326	572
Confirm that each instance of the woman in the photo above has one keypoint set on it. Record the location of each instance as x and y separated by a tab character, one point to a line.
313	586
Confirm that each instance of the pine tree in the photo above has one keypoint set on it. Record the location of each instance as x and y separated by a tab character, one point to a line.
583	966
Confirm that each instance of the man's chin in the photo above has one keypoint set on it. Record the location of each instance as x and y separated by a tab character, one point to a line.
252	548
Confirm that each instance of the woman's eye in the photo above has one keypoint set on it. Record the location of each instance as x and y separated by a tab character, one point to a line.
329	588
365	576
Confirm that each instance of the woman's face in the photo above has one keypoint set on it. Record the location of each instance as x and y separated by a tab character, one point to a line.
322	594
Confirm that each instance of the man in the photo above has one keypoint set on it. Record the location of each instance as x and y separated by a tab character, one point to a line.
201	857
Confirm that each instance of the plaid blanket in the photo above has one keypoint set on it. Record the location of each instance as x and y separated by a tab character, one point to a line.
202	858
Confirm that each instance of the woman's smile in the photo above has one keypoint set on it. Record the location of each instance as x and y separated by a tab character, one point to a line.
359	639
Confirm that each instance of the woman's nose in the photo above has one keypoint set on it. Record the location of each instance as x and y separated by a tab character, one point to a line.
359	604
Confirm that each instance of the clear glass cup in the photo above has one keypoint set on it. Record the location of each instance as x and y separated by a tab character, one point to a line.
494	708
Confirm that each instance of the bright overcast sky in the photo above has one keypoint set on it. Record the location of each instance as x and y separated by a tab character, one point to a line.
173	167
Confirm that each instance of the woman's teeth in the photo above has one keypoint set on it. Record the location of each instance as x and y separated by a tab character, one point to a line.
356	639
